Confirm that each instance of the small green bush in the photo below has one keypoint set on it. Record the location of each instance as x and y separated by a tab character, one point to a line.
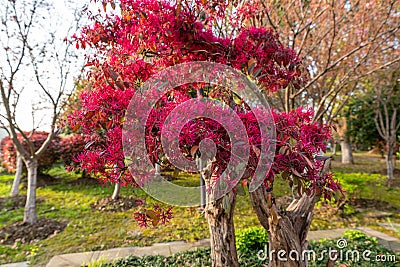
354	241
196	258
251	240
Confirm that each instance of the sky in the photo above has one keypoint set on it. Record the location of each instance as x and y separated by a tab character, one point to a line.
61	22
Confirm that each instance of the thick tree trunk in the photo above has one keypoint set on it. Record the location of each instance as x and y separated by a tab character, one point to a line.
17	178
117	189
30	214
347	154
287	229
219	216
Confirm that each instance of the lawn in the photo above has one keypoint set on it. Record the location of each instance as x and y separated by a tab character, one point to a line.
95	230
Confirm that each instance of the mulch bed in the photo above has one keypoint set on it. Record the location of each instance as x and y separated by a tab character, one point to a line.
85	181
26	233
169	177
43	180
13	203
372	204
359	204
121	204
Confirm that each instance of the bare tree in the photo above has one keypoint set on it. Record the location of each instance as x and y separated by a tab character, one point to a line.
341	124
17	178
387	121
341	42
33	49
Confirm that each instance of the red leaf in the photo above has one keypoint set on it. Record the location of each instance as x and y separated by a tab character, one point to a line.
109	124
193	150
311	164
76	127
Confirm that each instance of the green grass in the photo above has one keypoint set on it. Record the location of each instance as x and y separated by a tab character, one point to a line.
364	162
93	230
369	186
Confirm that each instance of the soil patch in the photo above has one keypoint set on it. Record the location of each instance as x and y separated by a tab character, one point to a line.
356	212
84	181
43	180
396	175
372	204
168	177
123	203
13	203
26	233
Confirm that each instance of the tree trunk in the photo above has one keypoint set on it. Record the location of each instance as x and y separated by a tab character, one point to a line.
117	189
287	229
219	216
334	148
347	154
30	214
17	178
389	164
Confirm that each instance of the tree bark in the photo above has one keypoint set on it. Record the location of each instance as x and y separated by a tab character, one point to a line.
287	229
334	147
117	189
30	214
219	215
347	154
222	231
17	178
389	164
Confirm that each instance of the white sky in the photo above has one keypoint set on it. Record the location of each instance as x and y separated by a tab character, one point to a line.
59	21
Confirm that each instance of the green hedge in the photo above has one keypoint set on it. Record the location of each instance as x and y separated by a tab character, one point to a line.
251	239
356	241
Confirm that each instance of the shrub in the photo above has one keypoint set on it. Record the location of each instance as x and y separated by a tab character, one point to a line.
46	160
251	240
356	240
61	149
195	258
70	147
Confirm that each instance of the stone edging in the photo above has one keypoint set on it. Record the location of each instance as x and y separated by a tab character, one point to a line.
165	249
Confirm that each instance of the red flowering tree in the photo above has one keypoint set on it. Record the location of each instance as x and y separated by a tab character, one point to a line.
11	160
149	36
46	160
70	146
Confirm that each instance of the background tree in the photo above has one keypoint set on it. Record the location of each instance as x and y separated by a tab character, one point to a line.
341	42
148	36
48	60
46	160
343	137
360	113
386	98
77	141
